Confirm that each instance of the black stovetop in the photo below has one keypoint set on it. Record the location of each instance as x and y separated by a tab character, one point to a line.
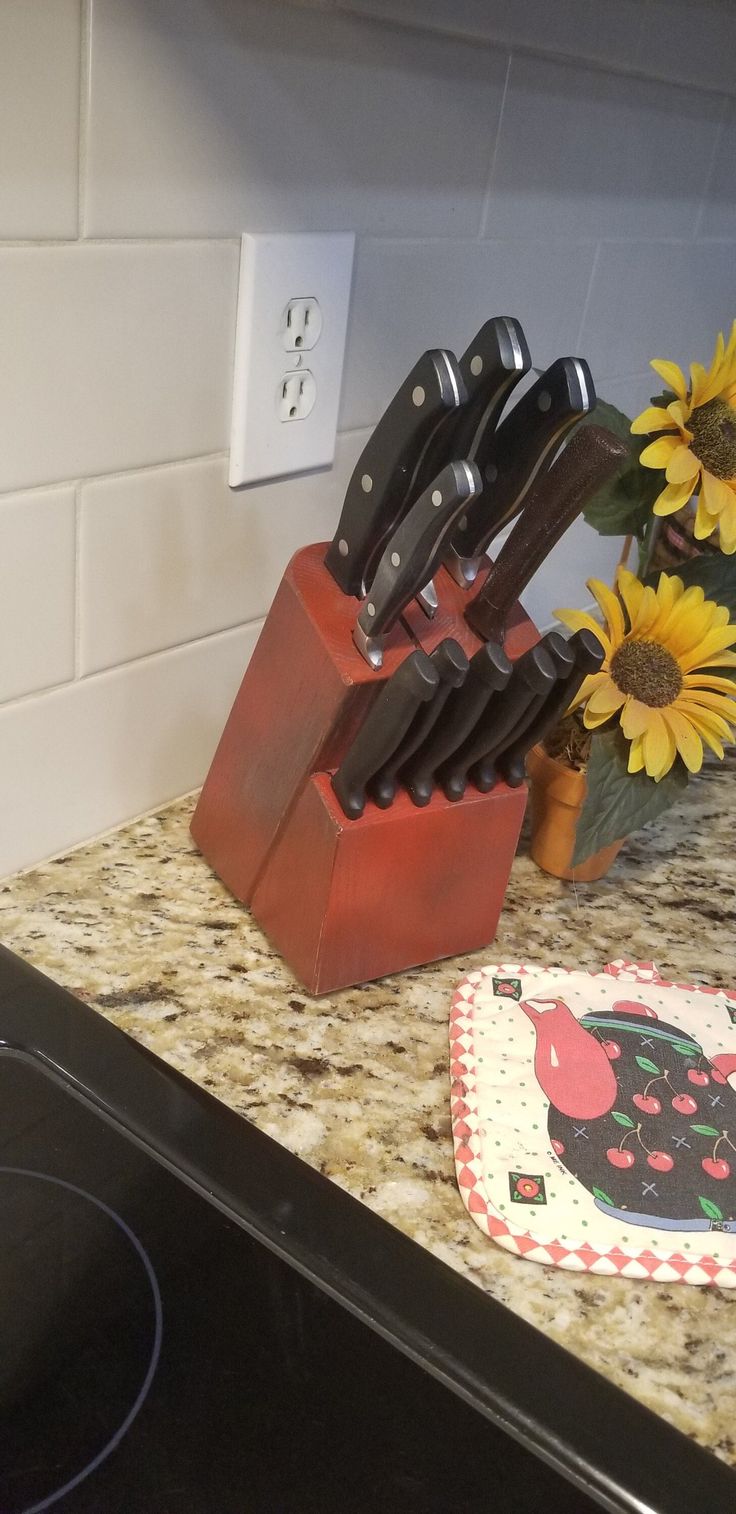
193	1321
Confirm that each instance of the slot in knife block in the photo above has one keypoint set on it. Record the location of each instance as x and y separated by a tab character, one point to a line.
302	699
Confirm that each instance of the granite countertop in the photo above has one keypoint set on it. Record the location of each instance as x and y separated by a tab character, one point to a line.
357	1083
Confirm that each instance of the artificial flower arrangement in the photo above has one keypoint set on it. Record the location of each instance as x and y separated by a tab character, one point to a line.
665	692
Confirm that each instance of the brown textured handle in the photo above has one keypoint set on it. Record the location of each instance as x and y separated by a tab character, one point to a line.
591	457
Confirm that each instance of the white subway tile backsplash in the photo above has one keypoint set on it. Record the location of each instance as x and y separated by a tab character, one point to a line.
239	116
408	296
691	41
39	117
719	210
560	582
587	154
173	554
121	356
37	544
657	299
76	761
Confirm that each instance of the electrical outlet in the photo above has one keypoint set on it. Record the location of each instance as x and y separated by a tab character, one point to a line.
285	405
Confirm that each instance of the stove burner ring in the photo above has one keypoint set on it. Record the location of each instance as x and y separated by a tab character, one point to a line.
114	1442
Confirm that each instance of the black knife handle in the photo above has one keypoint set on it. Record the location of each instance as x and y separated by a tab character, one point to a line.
532	675
451	665
587	654
489	671
497	358
383	474
413	552
511	458
591	457
387	721
557	648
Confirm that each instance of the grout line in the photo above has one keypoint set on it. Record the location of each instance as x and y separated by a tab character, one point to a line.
83	124
95	478
77	583
488	194
588	293
23	243
711	170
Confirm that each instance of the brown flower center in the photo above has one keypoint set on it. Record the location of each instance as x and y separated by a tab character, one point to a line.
648	671
714	437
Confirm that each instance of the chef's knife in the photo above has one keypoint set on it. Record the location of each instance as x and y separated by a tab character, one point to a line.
532	675
511	458
591	457
558	650
588	656
488	673
411	555
378	490
451	665
387	721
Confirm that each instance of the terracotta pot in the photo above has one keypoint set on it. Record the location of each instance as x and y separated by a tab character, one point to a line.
557	796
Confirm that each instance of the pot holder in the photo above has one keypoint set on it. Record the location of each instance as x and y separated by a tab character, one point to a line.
593	1120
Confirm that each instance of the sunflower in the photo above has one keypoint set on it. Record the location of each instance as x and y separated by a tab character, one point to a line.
660	646
698	446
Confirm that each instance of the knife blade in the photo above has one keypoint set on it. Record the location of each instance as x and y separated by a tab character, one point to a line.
588	655
488	673
382	477
451	665
532	674
558	650
591	457
387	721
413	552
510	459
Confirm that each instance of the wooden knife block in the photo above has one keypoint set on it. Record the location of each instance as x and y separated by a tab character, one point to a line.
344	900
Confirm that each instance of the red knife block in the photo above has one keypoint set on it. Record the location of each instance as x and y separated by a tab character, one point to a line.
265	798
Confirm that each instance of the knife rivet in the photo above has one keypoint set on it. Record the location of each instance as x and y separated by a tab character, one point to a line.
418	396
436	498
544	401
371	609
476	365
366	483
342	547
491	473
395	560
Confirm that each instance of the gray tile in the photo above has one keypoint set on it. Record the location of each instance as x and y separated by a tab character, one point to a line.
690	41
719	210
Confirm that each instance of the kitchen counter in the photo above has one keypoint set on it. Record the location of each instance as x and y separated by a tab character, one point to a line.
357	1083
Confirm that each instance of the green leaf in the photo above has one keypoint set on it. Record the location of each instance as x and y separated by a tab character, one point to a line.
712	1210
691	1052
647	1065
623	1119
705	1130
599	1194
663	400
624	503
716	575
618	802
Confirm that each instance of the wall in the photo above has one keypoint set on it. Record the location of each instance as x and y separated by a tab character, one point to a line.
493	157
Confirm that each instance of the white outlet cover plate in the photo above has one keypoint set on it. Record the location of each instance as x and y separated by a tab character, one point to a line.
274	269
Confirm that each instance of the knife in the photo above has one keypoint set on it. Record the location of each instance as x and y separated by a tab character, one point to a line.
451	665
532	675
588	657
562	659
511	458
382	477
591	457
386	723
413	552
488	673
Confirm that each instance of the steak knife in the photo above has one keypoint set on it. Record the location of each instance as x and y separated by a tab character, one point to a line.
533	674
451	665
591	457
511	458
382	477
488	673
588	655
387	721
413	552
558	650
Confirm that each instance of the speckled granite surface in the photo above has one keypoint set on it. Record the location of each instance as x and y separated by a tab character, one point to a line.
357	1084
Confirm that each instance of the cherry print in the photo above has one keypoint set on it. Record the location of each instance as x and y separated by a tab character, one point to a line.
716	1168
619	1158
612	1050
699	1077
661	1161
684	1104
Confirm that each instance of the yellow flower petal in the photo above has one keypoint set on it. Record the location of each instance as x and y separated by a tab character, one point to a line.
636	755
673	376
652	419
634	718
717	494
705	699
705	524
646	614
586	689
681	414
703	655
698	385
580	620
606	699
672	498
727	532
683	467
710	681
659	452
687	740
631	589
659	747
610	606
